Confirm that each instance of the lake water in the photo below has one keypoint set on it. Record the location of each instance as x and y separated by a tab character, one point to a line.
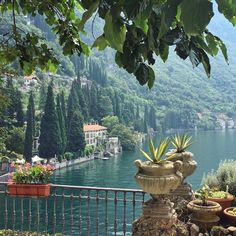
209	149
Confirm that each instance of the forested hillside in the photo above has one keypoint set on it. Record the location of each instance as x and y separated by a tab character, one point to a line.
181	97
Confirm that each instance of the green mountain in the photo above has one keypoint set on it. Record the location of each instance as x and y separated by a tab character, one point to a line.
182	96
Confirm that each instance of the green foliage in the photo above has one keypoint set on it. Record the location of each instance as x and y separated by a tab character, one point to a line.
110	122
203	194
156	154
50	139
125	135
136	30
232	211
218	194
15	140
75	134
36	174
89	149
224	178
181	142
62	125
69	156
29	133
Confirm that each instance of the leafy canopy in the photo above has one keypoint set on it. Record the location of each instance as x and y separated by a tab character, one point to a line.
138	30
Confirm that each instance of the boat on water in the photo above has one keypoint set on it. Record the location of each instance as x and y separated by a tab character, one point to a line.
105	158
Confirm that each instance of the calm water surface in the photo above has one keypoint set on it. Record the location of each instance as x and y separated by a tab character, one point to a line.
209	149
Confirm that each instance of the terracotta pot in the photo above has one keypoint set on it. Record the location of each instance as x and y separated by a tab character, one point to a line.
189	165
230	219
224	202
34	190
158	178
204	216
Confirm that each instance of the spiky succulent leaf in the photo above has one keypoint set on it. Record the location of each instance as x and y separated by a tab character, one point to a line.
146	155
181	142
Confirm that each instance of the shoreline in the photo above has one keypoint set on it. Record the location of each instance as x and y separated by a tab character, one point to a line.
78	161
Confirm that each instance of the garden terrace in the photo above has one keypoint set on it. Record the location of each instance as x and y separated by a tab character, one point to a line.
72	210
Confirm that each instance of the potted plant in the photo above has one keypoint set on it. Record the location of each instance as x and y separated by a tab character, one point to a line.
230	215
224	198
204	212
158	175
28	180
181	143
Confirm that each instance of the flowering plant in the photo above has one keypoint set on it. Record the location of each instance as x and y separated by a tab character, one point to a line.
32	174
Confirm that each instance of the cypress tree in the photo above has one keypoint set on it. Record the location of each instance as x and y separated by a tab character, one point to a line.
94	102
63	105
50	140
19	110
76	138
31	100
42	96
152	118
28	145
82	102
117	106
62	127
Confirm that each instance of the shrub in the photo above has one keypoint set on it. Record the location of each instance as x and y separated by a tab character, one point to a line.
69	156
223	177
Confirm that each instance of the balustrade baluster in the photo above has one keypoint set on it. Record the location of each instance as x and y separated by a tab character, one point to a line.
80	217
97	216
106	213
63	212
6	211
38	216
54	211
13	213
71	213
115	212
124	222
30	215
22	213
88	214
46	215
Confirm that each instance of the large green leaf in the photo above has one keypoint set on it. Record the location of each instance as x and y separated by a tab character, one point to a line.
115	32
141	20
88	14
195	15
228	9
145	74
100	43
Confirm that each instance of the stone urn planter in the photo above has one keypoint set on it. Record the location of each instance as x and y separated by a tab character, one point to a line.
158	178
230	216
204	215
189	165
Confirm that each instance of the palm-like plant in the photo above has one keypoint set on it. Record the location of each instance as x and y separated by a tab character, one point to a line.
181	142
156	154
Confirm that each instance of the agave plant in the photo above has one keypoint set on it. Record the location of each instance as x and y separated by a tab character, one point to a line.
181	142
156	154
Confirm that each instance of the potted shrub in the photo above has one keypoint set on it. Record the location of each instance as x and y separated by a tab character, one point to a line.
204	212
181	143
230	215
158	175
28	180
224	198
